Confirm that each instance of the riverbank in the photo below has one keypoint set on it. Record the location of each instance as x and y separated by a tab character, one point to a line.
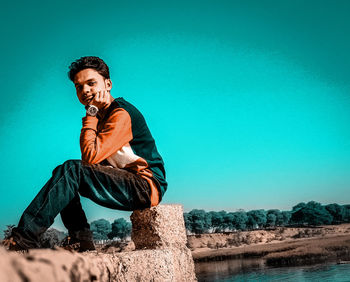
324	244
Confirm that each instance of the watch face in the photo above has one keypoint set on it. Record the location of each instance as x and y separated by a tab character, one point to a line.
92	110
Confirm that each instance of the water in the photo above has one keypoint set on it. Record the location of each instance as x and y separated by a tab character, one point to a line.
255	270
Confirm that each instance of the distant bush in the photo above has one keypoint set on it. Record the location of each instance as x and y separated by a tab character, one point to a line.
302	215
51	238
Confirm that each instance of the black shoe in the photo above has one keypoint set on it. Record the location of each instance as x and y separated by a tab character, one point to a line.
19	242
12	245
79	241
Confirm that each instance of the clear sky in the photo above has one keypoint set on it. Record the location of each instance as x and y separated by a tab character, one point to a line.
249	101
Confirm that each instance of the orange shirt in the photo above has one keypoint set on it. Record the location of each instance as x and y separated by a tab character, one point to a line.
109	139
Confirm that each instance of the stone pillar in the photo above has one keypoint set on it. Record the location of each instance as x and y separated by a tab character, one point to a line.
159	227
162	229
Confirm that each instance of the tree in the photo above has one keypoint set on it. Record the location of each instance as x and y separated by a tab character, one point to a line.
188	221
120	228
8	230
271	220
51	237
313	214
222	214
216	221
299	206
346	213
274	218
229	221
100	229
337	211
286	215
240	220
200	221
256	218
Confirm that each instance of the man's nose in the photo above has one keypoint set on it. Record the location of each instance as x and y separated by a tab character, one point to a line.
86	89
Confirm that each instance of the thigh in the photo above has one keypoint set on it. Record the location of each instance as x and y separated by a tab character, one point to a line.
114	188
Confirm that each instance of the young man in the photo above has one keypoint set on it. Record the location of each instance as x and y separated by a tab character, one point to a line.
120	167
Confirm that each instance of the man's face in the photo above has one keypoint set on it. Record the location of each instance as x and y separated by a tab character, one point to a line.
87	83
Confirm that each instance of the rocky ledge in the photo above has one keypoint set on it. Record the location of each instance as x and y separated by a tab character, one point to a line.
160	255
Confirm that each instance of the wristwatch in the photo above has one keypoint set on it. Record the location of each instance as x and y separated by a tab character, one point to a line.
91	110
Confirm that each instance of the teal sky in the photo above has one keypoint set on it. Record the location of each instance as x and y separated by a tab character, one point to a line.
249	101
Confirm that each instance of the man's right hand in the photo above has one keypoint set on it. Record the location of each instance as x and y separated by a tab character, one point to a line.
102	99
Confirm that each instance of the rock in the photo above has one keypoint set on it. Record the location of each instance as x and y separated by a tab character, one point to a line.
162	226
166	258
8	272
61	265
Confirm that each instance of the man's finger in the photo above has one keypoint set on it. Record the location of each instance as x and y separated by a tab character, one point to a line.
97	98
103	95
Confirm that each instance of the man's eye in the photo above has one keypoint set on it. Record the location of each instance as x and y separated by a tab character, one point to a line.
92	83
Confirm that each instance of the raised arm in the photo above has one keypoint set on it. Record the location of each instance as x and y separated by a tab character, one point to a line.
97	145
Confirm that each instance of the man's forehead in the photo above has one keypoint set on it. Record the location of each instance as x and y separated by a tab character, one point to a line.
86	75
77	81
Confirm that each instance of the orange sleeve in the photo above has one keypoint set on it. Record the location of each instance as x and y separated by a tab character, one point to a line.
97	145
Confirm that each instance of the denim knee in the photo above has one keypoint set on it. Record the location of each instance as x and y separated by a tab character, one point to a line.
69	163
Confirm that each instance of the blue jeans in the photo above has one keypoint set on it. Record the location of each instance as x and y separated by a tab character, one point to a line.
109	187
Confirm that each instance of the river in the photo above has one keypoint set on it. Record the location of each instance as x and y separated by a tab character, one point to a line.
255	270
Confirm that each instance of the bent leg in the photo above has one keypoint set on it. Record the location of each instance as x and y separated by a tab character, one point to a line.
110	187
114	188
55	195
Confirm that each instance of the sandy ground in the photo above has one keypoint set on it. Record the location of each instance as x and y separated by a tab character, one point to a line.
282	246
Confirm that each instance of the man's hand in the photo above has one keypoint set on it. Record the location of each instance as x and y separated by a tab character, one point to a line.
102	99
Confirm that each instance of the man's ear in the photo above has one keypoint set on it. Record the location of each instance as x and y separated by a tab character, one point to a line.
108	83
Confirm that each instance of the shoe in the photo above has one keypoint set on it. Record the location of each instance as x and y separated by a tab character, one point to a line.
12	245
70	243
18	242
79	241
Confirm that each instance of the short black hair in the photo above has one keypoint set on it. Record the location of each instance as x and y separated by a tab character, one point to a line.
88	62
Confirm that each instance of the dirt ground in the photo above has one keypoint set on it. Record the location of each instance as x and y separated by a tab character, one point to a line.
282	246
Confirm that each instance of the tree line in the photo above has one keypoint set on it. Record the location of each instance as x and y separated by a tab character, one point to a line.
102	229
198	221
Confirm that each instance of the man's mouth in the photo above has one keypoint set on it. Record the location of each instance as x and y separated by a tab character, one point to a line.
88	99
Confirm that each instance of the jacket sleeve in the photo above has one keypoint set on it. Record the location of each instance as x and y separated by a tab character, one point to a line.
97	145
